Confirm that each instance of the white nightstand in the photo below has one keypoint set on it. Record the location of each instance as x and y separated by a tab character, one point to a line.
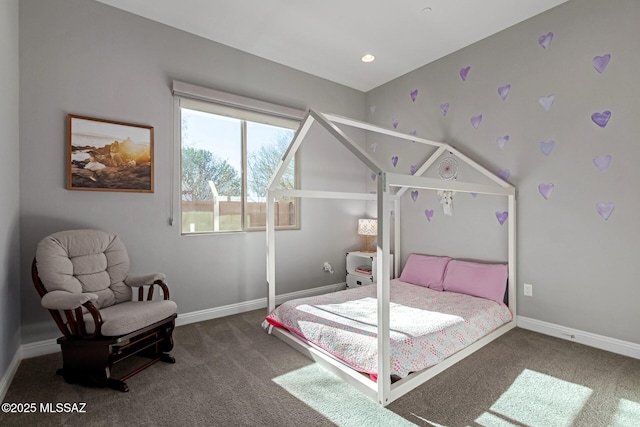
362	268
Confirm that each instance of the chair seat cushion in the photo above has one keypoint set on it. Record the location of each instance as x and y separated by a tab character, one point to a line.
126	317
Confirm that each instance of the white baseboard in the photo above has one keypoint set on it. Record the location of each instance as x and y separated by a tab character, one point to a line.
40	348
214	313
256	304
613	345
6	379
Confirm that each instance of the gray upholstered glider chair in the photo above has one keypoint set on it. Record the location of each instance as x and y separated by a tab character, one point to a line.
83	278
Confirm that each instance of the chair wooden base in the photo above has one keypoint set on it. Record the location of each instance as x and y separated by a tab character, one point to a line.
91	361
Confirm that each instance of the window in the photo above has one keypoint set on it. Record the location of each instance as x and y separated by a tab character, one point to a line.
228	156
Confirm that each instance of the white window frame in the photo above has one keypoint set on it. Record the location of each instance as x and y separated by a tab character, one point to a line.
225	104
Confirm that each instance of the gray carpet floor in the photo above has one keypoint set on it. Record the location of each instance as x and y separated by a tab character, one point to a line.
229	372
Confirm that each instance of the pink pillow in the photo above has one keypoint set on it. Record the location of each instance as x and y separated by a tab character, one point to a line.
425	270
481	280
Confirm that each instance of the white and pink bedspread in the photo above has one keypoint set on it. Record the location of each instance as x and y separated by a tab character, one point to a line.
427	326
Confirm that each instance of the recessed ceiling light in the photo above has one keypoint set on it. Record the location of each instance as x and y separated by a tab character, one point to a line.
368	58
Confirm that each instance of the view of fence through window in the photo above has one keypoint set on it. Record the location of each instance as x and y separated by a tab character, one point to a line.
226	166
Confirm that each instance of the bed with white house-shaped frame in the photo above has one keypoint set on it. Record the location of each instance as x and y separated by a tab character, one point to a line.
383	391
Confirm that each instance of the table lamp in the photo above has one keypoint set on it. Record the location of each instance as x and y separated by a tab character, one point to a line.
368	230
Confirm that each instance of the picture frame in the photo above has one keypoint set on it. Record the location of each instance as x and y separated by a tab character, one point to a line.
105	155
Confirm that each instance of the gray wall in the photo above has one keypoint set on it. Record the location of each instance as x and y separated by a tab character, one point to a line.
581	265
87	58
9	192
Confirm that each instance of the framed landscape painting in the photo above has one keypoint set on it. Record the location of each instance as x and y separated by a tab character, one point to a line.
104	155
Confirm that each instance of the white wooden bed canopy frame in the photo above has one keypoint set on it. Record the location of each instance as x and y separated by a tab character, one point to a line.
383	391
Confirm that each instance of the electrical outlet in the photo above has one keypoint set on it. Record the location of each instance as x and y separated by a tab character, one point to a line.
327	267
528	290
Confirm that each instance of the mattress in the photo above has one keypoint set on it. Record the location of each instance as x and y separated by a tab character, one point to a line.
427	326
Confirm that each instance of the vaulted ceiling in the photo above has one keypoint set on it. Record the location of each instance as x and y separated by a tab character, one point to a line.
328	38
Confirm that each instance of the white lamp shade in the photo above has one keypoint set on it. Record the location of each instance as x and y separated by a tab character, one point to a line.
367	227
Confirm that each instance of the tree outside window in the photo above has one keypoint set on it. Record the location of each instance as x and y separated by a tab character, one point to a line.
215	150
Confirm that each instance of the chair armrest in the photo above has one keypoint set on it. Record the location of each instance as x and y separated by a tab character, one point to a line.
63	300
156	279
147	279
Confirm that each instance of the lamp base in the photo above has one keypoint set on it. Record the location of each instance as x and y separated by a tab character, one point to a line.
368	244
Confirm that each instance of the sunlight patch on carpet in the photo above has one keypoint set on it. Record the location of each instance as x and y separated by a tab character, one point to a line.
489	420
336	400
538	400
431	423
627	415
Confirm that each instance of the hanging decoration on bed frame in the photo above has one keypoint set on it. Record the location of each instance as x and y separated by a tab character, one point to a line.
388	200
447	169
